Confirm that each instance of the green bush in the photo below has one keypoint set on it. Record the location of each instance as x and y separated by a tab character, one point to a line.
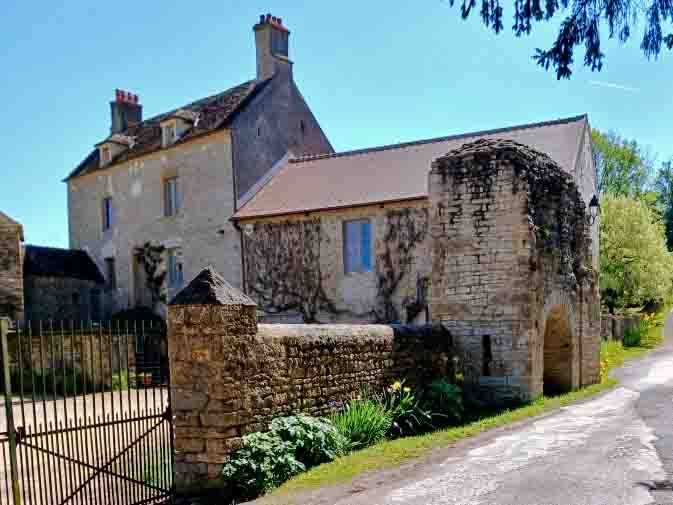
363	421
316	441
263	462
445	402
407	415
634	337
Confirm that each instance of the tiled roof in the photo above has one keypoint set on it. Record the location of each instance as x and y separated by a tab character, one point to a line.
209	114
52	262
393	173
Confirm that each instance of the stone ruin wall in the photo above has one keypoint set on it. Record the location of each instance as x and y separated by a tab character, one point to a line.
230	377
11	270
511	245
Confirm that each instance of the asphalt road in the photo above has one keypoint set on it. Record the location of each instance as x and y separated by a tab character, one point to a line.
615	449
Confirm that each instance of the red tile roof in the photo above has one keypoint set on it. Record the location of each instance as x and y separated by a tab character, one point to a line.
393	173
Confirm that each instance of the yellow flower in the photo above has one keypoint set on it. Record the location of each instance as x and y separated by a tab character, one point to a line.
407	390
397	385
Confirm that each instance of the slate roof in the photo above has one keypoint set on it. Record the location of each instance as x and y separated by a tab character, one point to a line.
210	288
52	262
211	113
396	172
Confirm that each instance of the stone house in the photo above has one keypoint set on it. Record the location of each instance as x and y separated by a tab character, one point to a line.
152	202
345	237
62	285
46	283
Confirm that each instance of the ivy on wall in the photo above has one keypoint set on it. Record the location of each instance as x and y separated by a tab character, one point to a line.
151	257
283	268
405	229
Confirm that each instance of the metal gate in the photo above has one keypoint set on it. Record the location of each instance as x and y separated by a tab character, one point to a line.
87	414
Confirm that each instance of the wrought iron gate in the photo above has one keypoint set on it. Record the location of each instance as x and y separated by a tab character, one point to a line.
87	414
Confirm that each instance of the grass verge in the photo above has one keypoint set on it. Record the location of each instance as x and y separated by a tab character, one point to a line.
394	452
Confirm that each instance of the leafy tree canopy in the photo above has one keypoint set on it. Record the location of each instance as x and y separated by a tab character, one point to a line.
664	190
582	26
636	266
624	167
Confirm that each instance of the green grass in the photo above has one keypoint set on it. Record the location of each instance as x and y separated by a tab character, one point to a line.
392	453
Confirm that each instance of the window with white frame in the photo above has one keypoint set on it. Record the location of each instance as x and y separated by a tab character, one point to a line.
169	134
175	277
171	197
107	214
357	246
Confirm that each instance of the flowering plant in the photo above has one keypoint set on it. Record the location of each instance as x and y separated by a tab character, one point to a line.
408	417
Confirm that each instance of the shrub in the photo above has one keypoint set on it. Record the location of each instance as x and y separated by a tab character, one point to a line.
316	441
634	336
362	421
407	415
445	402
263	462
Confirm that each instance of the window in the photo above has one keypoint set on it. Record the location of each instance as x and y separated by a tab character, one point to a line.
171	197
110	273
75	299
107	214
302	126
175	268
169	134
357	246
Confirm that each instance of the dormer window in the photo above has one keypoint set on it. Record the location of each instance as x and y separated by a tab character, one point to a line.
105	155
169	134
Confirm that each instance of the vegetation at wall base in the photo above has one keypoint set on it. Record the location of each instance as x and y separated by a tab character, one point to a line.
391	453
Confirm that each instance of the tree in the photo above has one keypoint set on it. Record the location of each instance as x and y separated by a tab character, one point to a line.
581	26
624	167
636	266
664	189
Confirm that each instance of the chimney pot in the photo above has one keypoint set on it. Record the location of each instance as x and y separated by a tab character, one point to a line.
126	110
280	21
261	18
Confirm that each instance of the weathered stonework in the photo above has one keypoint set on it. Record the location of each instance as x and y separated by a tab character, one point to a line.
230	377
295	264
11	268
512	273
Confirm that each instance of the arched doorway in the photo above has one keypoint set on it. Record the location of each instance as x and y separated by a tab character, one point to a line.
558	351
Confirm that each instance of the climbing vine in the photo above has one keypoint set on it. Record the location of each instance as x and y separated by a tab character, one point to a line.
284	271
151	257
405	229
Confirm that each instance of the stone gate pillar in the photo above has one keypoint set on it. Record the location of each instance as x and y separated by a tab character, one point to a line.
203	320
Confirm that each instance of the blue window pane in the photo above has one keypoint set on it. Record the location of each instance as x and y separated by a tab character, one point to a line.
366	246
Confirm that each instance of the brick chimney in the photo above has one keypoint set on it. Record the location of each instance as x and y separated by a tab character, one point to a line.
126	111
272	40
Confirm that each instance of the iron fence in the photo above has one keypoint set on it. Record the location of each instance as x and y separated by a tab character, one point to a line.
87	414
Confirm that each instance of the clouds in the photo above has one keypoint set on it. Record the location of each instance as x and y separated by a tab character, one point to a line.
613	85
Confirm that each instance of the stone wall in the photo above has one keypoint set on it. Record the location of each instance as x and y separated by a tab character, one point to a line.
11	268
230	377
295	264
63	298
614	327
511	269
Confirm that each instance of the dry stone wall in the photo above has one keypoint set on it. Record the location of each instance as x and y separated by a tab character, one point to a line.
230	377
11	269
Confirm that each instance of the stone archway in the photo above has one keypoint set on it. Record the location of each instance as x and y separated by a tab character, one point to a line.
558	352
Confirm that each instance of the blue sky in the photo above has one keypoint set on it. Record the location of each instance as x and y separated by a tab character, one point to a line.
373	72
